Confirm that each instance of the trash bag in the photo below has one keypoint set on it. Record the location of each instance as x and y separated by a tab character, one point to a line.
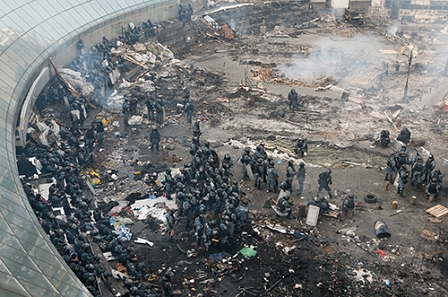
248	252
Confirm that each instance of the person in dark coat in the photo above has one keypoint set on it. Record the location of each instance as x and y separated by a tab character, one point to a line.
26	167
324	182
404	136
293	98
154	138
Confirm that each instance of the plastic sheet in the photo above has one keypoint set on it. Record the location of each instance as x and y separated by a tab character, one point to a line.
248	252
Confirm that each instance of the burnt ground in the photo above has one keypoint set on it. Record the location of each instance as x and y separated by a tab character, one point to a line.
324	265
328	263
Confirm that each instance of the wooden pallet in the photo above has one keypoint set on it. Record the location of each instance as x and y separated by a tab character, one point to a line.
437	211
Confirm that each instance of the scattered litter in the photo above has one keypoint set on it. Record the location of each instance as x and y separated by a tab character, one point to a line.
431	236
119	275
248	252
108	256
144	241
284	247
135	120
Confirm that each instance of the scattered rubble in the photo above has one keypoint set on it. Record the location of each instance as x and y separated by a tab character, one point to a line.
310	255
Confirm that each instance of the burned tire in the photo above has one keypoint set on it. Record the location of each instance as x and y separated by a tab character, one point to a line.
370	198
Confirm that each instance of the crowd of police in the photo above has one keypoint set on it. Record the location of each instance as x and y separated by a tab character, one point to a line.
421	171
212	203
64	162
214	213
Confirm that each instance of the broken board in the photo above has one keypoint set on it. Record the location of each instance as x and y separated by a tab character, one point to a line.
388	52
437	211
333	214
431	236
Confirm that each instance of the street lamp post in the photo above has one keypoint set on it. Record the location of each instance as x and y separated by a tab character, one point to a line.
405	93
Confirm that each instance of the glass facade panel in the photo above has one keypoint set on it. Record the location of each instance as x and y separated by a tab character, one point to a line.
45	9
22	23
7	35
26	235
13	69
11	286
102	10
8	239
82	15
40	43
19	55
21	2
67	17
3	161
37	13
79	18
25	13
13	219
19	210
36	288
2	115
49	30
11	5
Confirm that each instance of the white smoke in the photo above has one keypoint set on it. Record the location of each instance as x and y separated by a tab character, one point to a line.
394	28
335	58
232	24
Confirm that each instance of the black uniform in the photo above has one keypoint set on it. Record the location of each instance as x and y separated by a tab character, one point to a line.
292	99
385	138
324	182
154	137
301	146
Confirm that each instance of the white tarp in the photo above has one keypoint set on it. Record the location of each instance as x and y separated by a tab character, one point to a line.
115	101
154	208
77	81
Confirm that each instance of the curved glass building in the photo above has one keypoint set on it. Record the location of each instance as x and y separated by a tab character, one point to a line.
32	31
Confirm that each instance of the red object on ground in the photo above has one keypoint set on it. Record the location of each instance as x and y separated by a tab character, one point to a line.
381	253
446	105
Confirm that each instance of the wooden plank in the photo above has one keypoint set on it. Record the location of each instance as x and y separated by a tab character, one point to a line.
437	211
433	208
442	213
390	121
388	52
436	208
